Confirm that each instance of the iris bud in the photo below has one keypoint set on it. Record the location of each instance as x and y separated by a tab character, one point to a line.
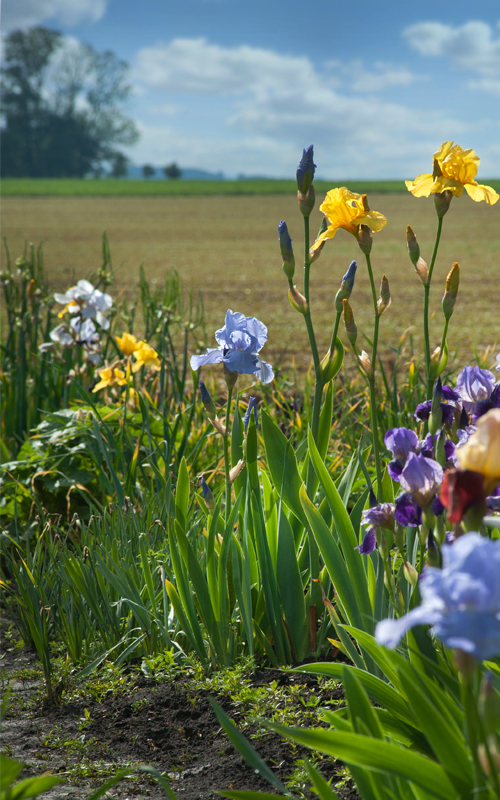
365	239
305	170
413	246
207	495
410	573
315	254
207	401
450	295
440	453
297	300
350	326
346	286
236	470
439	360
422	271
433	554
436	415
442	202
332	362
286	250
230	377
384	301
365	363
306	201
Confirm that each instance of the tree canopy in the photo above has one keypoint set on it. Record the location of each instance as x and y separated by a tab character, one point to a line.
62	101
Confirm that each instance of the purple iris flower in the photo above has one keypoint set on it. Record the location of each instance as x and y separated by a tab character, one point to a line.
239	340
305	170
482	406
252	406
369	543
474	384
401	442
426	447
422	477
437	506
460	601
380	516
408	512
423	411
464	434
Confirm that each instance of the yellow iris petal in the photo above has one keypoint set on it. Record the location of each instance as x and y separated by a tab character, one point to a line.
128	344
347	210
455	169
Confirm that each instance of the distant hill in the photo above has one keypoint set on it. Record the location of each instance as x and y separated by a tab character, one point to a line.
189	174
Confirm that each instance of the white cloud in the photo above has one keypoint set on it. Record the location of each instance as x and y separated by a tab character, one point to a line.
375	78
471	46
25	13
490	85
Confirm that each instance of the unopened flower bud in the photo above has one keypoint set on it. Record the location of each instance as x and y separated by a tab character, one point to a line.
207	401
332	362
433	554
306	201
350	326
207	495
230	377
297	300
219	426
305	170
436	415
422	271
384	301
252	406
236	470
365	239
440	453
346	286
410	573
314	253
442	202
450	295
365	363
286	250
439	360
413	246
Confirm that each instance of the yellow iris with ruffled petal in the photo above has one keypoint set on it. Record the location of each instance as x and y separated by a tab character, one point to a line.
128	344
110	376
347	210
454	170
146	357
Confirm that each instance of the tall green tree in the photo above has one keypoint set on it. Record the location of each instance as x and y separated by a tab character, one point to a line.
62	106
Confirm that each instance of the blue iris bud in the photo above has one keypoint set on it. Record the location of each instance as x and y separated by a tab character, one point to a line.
207	401
207	494
346	286
252	406
286	250
436	415
305	170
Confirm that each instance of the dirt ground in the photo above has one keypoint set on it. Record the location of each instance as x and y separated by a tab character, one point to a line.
162	724
228	248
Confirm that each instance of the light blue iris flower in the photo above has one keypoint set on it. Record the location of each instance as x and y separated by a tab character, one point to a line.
240	341
460	601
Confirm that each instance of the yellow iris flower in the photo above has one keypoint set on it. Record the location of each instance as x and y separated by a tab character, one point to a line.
110	376
454	170
347	210
146	357
128	344
481	453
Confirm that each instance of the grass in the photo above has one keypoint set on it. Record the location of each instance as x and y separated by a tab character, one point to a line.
109	187
228	247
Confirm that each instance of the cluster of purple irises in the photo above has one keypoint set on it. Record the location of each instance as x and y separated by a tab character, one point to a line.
418	464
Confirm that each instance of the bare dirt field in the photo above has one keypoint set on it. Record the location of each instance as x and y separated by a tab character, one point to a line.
228	247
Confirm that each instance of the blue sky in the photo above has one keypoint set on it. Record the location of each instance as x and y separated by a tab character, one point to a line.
242	85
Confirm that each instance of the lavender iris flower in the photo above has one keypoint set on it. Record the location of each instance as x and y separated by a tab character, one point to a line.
305	170
423	411
482	406
421	477
401	442
460	601
474	384
252	406
378	516
464	434
239	340
408	512
369	543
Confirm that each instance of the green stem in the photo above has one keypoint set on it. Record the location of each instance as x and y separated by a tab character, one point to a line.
445	332
227	464
427	288
371	382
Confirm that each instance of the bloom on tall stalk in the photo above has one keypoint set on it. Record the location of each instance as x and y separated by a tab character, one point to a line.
240	341
454	170
347	210
460	601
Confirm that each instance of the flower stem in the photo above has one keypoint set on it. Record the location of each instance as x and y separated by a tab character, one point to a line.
227	464
371	382
427	288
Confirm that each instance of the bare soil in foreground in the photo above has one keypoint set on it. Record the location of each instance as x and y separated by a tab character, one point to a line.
162	724
227	247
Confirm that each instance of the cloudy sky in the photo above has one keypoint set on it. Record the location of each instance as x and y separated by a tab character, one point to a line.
242	85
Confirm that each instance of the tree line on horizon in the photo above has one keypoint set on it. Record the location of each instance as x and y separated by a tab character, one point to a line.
62	109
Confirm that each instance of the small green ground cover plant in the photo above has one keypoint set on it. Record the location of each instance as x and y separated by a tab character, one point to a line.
234	527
